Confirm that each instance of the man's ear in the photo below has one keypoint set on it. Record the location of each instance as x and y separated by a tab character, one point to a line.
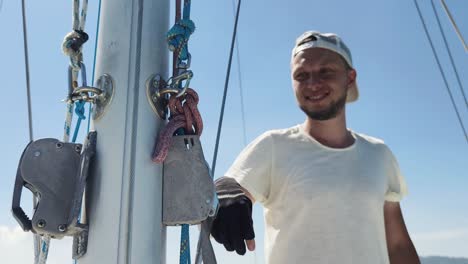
352	75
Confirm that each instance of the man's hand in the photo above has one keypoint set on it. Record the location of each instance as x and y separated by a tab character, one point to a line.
233	225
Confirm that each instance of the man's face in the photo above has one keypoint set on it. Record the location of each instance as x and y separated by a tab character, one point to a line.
320	80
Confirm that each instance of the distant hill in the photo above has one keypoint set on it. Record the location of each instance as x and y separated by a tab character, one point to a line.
443	260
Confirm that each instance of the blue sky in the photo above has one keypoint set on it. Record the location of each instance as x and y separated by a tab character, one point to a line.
403	98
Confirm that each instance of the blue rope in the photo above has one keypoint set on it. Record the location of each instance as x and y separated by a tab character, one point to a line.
185	245
185	233
80	112
178	36
186	11
92	82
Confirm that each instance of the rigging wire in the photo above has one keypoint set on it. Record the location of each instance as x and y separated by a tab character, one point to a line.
226	84
37	238
26	63
441	70
241	90
241	94
94	60
450	54
454	25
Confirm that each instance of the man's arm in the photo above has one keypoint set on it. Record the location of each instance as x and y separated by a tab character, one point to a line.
400	247
233	224
248	195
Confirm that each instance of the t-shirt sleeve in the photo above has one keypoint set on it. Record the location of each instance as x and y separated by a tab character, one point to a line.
252	168
397	187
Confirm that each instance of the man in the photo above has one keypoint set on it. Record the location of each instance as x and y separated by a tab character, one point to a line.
330	195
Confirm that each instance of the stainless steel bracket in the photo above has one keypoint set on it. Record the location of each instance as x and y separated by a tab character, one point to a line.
105	83
156	99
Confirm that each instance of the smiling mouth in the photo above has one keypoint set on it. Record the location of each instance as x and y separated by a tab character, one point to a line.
317	97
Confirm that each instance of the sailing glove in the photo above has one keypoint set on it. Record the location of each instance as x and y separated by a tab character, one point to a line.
233	223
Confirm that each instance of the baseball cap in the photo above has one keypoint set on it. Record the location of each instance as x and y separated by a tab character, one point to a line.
330	41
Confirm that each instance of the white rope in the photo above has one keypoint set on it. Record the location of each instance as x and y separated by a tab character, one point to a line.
79	21
76	57
68	121
84	12
44	250
75	17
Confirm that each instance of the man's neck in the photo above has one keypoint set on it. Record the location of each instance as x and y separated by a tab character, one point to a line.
331	133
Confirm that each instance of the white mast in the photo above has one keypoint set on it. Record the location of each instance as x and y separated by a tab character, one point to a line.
125	194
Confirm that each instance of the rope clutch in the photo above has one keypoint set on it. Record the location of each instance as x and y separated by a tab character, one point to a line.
188	188
56	172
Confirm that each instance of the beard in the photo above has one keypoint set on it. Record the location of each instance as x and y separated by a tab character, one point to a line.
330	112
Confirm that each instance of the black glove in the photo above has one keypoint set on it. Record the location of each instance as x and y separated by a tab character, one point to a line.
233	223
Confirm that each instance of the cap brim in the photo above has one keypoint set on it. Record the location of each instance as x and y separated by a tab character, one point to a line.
353	93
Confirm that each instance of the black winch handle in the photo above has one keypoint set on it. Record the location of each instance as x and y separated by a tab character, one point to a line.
16	209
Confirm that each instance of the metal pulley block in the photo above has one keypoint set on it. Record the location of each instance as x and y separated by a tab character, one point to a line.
188	189
56	173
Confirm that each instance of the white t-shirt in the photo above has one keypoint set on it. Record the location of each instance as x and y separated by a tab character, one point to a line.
321	205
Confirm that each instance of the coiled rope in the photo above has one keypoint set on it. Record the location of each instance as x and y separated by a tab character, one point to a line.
179	35
183	115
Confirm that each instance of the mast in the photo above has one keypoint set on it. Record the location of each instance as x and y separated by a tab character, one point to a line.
124	197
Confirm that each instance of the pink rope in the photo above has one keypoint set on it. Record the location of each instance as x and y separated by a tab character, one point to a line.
184	114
